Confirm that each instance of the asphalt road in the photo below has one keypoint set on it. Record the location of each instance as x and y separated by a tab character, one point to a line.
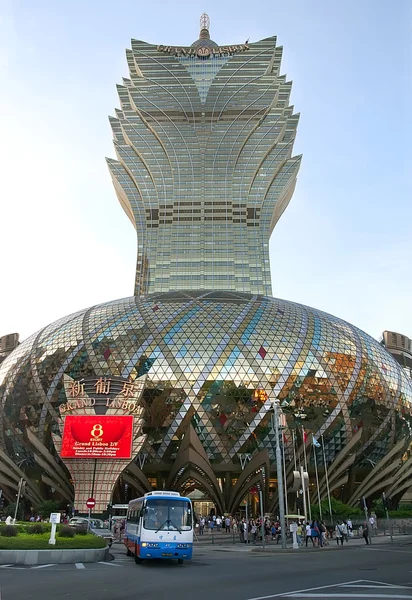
357	572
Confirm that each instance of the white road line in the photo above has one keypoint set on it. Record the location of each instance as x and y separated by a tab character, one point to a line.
43	566
321	587
111	564
354	596
5	566
80	566
390	585
387	550
387	586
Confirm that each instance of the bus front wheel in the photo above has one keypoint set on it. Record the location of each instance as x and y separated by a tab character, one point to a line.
137	559
128	552
180	561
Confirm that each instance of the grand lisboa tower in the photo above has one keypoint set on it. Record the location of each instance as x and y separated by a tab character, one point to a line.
175	387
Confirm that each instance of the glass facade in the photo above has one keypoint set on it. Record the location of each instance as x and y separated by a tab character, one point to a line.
204	163
212	362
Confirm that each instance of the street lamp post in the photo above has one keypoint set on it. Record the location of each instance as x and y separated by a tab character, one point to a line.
279	472
19	493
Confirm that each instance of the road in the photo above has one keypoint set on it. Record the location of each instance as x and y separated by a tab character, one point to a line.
357	572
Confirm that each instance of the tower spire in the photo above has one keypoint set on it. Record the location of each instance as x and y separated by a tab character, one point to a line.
204	27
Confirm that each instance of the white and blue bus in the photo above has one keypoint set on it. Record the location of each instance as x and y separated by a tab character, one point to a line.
159	525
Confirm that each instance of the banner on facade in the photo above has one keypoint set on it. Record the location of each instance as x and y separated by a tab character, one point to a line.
97	437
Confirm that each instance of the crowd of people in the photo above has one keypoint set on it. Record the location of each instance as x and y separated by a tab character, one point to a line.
315	532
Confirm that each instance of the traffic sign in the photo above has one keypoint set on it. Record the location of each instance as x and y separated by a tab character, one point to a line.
91	503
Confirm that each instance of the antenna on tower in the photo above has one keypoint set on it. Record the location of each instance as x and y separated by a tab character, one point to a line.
204	26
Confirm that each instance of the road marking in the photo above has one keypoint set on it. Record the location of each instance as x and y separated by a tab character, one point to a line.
111	564
321	587
5	566
80	566
43	566
387	550
355	596
358	583
382	586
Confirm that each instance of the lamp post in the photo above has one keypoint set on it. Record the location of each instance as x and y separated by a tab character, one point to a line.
20	489
279	472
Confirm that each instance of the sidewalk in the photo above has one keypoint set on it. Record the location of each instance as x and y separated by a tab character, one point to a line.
222	542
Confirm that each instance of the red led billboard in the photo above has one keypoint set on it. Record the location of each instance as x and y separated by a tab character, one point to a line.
97	437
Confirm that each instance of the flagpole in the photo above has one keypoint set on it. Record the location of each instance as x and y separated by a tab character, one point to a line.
306	469
294	448
327	479
295	463
285	488
317	476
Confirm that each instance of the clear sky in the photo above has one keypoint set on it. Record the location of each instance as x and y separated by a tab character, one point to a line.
344	243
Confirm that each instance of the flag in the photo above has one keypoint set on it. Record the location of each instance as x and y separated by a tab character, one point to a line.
315	442
305	436
285	439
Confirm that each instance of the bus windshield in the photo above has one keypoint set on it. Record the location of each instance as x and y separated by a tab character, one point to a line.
167	515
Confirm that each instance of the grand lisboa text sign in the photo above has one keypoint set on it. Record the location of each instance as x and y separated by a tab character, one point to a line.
76	403
108	392
203	51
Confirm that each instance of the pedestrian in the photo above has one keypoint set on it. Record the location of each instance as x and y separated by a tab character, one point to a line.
201	525
299	533
309	534
350	527
373	522
253	531
344	528
339	533
316	533
365	532
227	524
278	533
211	526
246	531
267	530
324	533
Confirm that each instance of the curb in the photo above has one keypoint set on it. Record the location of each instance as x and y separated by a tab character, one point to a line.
44	557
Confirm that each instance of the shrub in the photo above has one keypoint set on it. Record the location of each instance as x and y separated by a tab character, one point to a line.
9	531
81	530
66	531
41	542
400	514
36	528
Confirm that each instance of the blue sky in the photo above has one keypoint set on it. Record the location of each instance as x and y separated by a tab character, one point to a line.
344	243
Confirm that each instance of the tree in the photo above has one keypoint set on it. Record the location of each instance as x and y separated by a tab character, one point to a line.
339	510
11	508
46	507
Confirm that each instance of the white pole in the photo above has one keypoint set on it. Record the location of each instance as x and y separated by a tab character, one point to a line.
306	469
279	476
52	539
246	529
284	476
294	449
305	508
262	526
295	463
327	480
18	499
317	481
